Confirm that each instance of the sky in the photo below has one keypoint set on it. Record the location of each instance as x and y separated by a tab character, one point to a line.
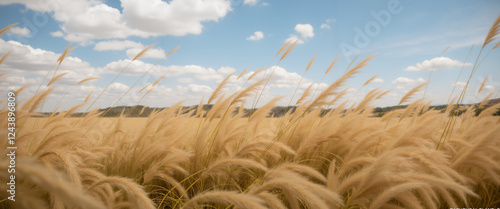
415	42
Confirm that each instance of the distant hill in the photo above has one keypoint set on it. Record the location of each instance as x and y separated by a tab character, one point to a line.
144	111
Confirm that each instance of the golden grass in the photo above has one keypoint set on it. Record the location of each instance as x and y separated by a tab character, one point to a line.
220	159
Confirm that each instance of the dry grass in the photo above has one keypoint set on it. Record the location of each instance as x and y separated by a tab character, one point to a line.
224	160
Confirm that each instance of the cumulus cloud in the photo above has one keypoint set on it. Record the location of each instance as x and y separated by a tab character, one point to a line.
403	81
185	80
28	65
116	45
57	33
133	48
435	64
85	20
378	80
26	60
250	2
226	70
151	53
305	30
257	35
294	38
325	26
24	32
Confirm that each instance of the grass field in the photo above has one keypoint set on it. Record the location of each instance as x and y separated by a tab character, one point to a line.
415	157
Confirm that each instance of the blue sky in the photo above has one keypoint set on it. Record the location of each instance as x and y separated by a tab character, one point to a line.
221	37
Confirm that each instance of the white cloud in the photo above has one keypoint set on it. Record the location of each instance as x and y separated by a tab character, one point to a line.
133	48
28	61
151	53
378	80
257	35
57	34
117	45
489	87
420	80
435	64
459	84
294	38
24	32
226	70
325	26
85	20
185	80
250	2
265	4
407	81
118	87
305	30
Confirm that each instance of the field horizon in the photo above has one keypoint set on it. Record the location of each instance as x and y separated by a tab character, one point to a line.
339	114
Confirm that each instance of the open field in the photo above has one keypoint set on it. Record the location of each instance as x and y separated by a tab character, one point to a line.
301	160
415	157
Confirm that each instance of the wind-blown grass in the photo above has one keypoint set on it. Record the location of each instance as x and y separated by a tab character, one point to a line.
217	158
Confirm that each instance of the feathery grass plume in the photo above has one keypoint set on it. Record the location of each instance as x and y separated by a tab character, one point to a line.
412	92
238	98
382	94
218	90
410	109
7	28
496	45
241	74
310	62
371	79
158	80
445	50
331	66
383	200
5	56
297	187
323	77
134	192
482	85
141	53
222	164
87	80
17	92
331	90
256	72
56	78
283	47
288	50
243	201
33	103
485	100
304	95
263	111
32	177
2	74
173	50
494	30
146	86
65	53
369	97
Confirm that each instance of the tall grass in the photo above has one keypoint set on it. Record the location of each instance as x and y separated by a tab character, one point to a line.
217	158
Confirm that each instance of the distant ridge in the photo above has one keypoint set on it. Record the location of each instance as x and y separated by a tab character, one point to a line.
277	111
